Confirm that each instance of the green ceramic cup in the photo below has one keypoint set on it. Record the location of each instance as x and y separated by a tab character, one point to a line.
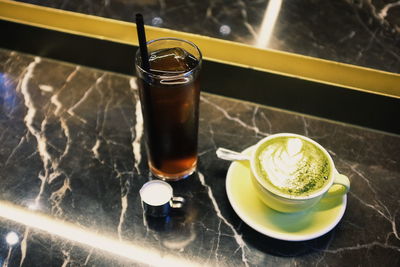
334	184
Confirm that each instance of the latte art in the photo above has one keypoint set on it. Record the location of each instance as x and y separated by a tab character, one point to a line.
293	165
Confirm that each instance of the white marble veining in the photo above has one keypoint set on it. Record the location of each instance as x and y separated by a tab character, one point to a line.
238	238
368	36
72	149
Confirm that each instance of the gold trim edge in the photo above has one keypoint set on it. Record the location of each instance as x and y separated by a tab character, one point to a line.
213	49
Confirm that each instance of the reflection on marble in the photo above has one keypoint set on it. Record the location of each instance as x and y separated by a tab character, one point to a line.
72	161
363	32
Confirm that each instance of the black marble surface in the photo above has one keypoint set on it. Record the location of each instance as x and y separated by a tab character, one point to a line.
360	32
71	149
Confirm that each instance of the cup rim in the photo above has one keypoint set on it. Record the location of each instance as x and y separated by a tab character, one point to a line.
170	77
275	191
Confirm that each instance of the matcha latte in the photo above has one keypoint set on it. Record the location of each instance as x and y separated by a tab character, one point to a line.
293	166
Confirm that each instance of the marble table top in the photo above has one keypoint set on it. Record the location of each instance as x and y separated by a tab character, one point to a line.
72	161
364	32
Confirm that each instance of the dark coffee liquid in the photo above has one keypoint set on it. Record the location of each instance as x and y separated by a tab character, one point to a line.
170	111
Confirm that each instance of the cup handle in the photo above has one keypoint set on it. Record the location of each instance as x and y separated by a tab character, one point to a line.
177	202
340	186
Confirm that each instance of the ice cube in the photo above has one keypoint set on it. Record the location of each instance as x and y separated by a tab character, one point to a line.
169	60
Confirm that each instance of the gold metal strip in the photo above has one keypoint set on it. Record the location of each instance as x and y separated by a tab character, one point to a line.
288	64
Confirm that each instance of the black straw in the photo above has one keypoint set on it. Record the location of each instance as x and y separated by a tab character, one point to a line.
142	42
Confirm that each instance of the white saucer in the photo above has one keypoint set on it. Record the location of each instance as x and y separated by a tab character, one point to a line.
291	227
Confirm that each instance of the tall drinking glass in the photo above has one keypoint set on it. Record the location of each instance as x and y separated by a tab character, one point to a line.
169	96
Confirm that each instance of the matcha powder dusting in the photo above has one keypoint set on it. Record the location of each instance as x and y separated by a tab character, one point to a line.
294	166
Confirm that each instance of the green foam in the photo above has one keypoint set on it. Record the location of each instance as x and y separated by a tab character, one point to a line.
311	173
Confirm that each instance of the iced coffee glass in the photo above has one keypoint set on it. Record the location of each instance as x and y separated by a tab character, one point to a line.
169	95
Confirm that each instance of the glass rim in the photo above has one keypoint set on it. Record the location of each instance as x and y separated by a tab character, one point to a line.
169	77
